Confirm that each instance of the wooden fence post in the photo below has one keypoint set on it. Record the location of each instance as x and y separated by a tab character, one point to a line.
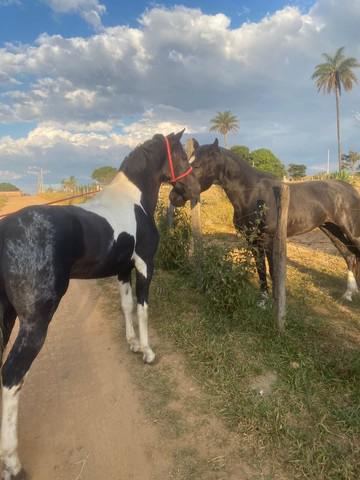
195	204
282	196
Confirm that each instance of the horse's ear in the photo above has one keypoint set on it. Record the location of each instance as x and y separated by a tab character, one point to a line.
177	136
196	144
216	143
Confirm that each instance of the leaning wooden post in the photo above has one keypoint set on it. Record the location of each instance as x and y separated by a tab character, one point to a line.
196	223
282	195
195	205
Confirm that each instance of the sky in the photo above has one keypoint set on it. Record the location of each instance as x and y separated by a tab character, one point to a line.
82	82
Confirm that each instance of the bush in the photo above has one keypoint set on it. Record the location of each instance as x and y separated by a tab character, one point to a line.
223	275
174	245
342	175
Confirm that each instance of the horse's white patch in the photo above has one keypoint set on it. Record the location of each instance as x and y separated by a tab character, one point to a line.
140	265
30	258
142	312
351	286
128	307
192	158
9	441
116	204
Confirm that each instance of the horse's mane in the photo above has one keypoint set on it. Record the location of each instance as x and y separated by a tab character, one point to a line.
244	165
141	155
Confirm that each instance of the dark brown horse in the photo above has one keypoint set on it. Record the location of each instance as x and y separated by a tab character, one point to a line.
331	205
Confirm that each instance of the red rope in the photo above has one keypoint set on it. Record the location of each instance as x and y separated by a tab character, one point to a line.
55	201
171	166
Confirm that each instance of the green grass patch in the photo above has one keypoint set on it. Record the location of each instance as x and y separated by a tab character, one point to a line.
307	422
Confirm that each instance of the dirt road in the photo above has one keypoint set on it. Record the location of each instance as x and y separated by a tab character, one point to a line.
80	414
16	203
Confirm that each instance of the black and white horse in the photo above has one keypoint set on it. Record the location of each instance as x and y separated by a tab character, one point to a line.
331	205
42	247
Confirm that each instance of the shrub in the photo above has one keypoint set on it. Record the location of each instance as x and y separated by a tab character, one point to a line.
223	275
174	245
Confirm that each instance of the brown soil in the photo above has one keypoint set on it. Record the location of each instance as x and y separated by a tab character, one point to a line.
80	414
16	203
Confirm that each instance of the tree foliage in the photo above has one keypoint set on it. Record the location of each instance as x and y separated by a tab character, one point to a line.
264	160
224	122
69	184
242	150
296	170
104	175
350	161
333	75
8	187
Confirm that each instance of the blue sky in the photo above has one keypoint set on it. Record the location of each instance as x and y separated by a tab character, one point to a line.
83	81
24	21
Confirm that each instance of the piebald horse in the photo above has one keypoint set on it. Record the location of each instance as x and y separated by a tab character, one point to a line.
333	206
42	247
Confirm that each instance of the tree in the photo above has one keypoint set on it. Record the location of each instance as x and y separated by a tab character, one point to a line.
69	184
8	187
224	122
264	160
350	161
331	76
241	150
104	175
296	170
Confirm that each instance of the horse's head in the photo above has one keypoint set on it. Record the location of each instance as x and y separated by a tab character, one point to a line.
206	163
179	172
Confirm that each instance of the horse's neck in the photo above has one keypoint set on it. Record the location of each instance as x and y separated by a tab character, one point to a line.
121	191
146	179
236	177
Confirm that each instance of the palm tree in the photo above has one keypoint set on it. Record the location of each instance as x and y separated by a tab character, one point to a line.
224	122
331	76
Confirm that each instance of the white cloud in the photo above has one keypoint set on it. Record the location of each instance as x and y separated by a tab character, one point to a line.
176	69
90	10
9	175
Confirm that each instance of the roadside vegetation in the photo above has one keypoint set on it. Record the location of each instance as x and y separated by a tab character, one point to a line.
290	402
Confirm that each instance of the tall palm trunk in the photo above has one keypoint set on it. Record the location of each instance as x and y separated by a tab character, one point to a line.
225	140
337	94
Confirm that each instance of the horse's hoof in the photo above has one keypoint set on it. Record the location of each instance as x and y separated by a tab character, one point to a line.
148	356
22	475
134	345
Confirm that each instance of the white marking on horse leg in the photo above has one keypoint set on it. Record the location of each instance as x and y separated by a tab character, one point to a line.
9	441
142	312
140	265
351	286
264	298
127	305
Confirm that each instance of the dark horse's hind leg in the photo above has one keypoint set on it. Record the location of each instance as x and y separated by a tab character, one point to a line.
30	338
348	252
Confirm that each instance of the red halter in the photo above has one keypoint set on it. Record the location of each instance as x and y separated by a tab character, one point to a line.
171	165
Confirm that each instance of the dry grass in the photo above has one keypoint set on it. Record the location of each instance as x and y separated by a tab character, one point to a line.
307	423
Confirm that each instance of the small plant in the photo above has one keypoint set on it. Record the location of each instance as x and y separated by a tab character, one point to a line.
223	275
343	175
174	245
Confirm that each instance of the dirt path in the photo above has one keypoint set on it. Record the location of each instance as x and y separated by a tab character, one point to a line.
16	203
80	413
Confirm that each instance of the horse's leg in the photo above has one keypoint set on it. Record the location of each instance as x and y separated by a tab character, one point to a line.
339	241
258	253
28	343
127	305
143	280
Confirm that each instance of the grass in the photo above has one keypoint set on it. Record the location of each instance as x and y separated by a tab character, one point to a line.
289	403
308	424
